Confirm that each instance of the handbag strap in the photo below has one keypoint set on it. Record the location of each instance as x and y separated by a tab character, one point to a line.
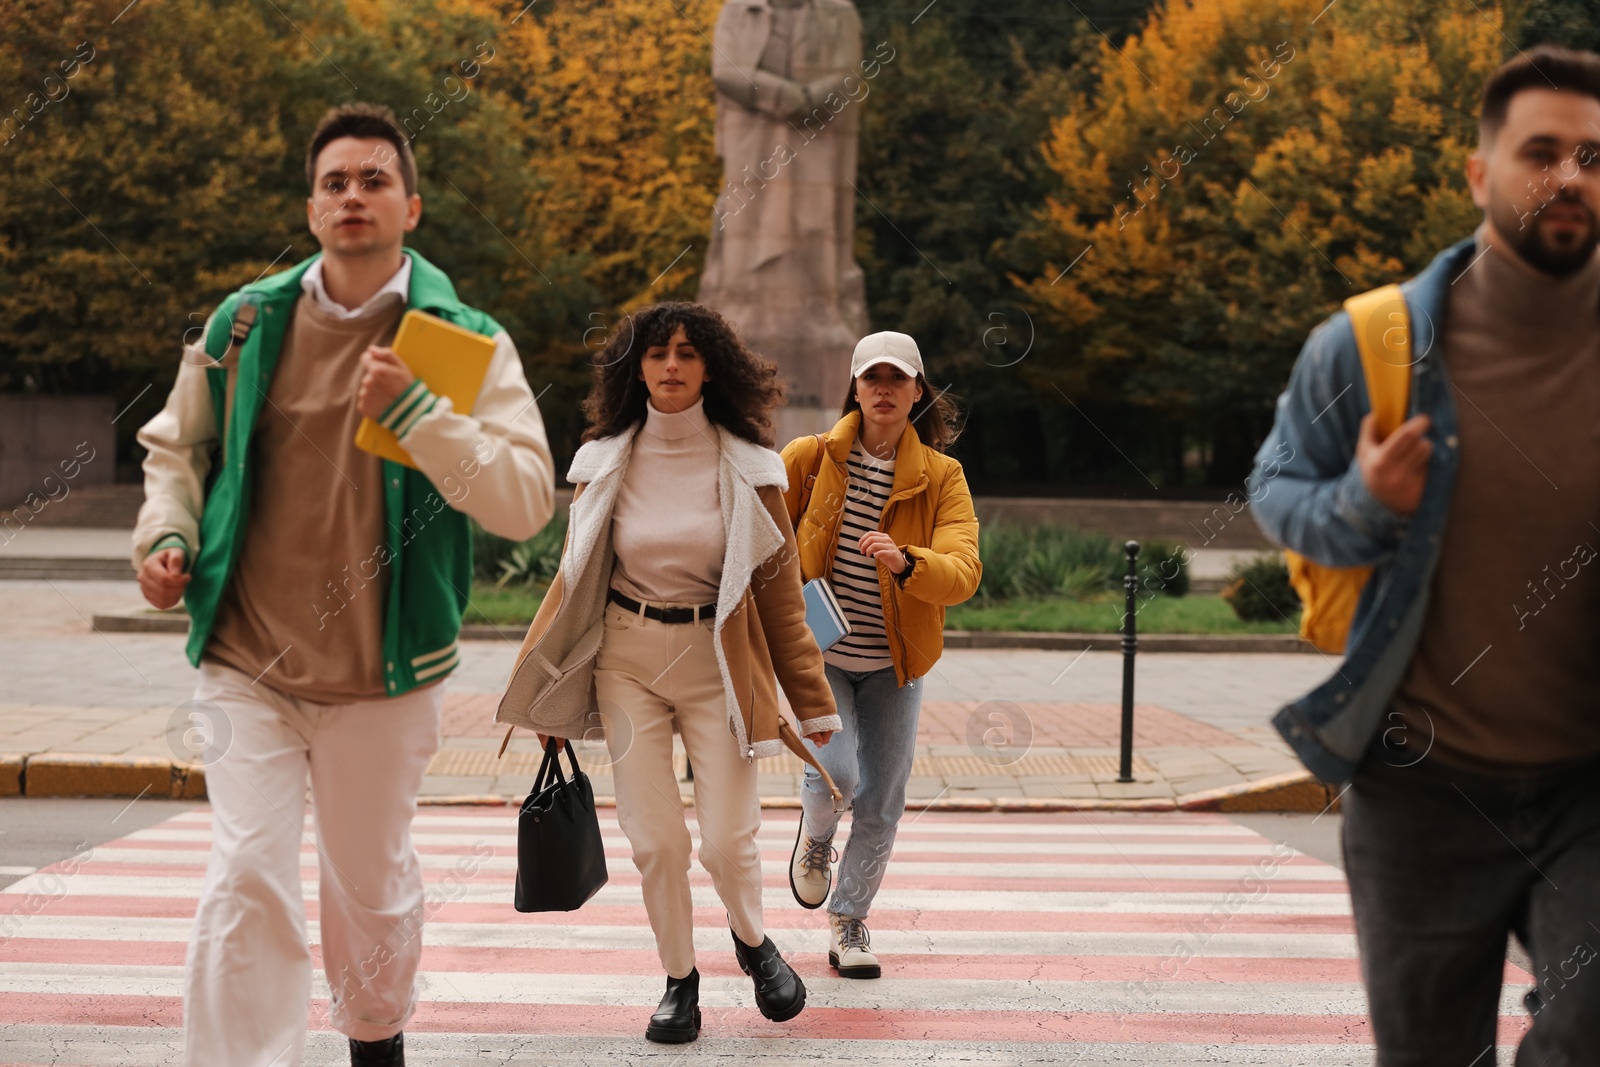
550	766
791	740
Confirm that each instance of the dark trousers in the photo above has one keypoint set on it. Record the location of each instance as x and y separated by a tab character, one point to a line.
1443	865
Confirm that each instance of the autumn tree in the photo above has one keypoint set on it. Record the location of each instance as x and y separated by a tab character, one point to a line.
170	170
1238	172
1099	181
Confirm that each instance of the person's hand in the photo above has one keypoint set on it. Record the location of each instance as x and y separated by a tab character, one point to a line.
790	101
161	578
1396	468
820	738
881	546
383	378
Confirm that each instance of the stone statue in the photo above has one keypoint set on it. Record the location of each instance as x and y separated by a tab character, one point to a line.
780	267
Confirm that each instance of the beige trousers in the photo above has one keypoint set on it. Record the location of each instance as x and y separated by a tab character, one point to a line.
248	977
650	675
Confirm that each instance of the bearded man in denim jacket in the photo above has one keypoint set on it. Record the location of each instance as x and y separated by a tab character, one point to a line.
1465	717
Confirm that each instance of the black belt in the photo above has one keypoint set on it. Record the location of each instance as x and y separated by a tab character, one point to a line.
695	614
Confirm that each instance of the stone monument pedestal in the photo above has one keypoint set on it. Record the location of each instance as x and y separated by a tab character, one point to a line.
780	265
790	422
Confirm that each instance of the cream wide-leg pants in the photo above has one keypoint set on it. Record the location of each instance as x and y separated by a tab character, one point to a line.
247	982
649	675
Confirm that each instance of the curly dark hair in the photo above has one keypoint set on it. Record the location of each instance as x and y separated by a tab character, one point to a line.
741	391
935	416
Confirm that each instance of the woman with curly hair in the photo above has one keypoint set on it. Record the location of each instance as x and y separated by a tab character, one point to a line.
677	602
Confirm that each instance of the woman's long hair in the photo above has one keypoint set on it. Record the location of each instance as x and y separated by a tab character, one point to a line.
741	389
935	416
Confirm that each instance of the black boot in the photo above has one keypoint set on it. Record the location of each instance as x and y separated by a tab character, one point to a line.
779	992
390	1052
677	1017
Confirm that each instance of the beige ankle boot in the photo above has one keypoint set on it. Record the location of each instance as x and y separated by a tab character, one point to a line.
850	949
810	870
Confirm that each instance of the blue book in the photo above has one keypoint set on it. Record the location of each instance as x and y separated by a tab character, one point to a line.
824	615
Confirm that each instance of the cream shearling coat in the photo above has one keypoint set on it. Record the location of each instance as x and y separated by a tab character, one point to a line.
760	630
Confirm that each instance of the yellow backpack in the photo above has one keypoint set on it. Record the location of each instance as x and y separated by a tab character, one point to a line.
1328	595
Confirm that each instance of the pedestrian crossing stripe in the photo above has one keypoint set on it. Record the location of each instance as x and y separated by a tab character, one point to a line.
1063	938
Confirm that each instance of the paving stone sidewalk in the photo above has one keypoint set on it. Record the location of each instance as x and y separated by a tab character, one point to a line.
997	725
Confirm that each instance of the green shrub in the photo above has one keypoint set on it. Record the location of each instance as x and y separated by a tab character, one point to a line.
1046	560
1002	550
530	562
1163	567
1259	590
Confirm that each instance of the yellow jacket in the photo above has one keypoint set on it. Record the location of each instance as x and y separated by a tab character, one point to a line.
929	514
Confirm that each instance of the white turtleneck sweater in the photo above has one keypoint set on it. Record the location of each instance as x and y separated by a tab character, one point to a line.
666	528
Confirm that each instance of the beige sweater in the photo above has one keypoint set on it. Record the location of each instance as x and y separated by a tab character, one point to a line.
666	528
304	608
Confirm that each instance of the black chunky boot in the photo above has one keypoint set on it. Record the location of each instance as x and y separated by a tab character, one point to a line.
779	992
390	1052
677	1017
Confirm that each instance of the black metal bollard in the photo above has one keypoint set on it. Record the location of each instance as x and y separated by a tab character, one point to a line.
1130	647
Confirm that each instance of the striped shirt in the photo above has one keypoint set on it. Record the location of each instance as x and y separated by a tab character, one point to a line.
855	577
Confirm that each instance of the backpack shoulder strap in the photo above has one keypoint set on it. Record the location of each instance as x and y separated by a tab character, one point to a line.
1382	325
816	469
229	330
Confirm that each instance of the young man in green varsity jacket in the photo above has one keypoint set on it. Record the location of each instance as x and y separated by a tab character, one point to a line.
325	587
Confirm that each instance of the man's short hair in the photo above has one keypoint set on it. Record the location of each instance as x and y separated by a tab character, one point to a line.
1546	66
365	121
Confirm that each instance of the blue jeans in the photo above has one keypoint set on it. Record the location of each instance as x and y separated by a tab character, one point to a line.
869	760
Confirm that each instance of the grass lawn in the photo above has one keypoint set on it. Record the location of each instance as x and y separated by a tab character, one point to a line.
512	604
1160	615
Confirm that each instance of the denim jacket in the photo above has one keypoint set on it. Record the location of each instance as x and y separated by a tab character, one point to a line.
1308	495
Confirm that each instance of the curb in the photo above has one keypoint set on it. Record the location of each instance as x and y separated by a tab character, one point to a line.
945	804
165	622
64	568
1297	791
11	775
1066	642
176	622
53	774
65	774
1308	796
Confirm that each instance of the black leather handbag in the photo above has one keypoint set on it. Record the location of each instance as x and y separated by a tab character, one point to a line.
561	861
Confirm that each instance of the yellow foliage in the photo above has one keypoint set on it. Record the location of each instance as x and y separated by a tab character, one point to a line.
620	97
1237	172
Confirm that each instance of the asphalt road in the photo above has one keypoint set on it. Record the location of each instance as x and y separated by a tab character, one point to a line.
36	831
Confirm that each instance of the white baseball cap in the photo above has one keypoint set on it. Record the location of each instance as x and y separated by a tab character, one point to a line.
896	349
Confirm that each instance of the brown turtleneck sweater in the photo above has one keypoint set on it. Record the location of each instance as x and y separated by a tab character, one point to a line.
1506	674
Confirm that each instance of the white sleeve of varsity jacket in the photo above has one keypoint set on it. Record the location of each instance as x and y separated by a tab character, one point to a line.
493	464
178	443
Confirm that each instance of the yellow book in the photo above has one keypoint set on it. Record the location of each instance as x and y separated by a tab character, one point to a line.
450	361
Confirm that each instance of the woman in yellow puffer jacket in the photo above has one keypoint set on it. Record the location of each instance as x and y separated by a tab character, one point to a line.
885	517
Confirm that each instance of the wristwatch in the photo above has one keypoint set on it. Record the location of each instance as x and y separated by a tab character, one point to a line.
911	562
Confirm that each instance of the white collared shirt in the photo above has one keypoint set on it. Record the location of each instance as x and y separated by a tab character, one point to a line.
311	282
